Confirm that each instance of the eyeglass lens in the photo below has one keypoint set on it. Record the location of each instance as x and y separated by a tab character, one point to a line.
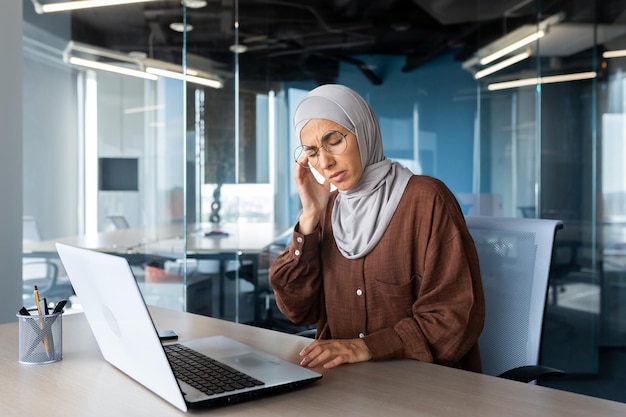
333	142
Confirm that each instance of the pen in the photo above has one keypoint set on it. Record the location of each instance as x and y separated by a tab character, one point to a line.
46	343
59	307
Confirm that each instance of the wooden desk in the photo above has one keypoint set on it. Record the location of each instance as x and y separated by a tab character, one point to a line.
83	384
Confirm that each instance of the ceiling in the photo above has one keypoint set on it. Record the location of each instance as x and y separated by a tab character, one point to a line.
308	39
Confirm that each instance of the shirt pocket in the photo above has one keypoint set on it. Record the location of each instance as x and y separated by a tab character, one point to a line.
395	300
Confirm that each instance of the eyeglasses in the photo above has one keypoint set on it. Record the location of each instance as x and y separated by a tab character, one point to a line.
333	142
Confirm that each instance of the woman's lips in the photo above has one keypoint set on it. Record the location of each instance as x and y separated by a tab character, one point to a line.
337	176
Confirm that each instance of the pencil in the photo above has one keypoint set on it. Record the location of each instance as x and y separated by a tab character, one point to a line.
46	343
38	300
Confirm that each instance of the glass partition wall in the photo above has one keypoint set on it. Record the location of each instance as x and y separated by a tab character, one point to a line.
105	151
538	153
549	138
193	182
156	152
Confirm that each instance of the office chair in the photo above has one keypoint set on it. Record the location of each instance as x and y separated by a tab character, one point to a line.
43	272
118	221
256	273
514	256
35	271
267	311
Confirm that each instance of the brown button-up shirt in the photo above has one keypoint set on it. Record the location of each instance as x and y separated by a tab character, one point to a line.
417	294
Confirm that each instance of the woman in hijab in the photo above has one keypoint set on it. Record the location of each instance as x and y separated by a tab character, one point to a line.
384	265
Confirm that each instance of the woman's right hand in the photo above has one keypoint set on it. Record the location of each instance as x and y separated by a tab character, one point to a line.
313	196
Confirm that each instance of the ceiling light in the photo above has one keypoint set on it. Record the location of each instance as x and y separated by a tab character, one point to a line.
618	53
181	27
501	65
512	47
80	4
194	4
77	53
400	26
542	80
522	37
239	48
111	68
144	109
195	79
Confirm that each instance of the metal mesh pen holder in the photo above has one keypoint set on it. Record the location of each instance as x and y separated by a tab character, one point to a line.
41	338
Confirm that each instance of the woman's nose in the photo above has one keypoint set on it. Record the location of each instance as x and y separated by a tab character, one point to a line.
325	159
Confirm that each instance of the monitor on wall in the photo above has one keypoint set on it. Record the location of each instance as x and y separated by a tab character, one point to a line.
118	174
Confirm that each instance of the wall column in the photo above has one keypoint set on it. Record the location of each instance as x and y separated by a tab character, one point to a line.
10	160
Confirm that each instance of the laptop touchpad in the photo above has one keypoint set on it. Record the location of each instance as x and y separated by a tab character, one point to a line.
250	361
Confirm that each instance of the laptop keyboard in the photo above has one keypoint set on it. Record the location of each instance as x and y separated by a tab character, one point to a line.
204	373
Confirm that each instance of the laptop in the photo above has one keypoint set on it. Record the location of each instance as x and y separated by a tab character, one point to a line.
120	321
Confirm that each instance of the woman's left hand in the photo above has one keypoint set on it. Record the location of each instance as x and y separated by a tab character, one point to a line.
332	353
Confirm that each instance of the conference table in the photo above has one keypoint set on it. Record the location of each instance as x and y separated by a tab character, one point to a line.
168	239
171	242
83	384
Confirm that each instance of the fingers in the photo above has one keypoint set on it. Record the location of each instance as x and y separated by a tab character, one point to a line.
304	177
300	170
313	196
327	355
332	353
303	162
316	358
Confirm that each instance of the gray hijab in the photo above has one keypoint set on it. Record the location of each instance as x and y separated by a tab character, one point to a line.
361	214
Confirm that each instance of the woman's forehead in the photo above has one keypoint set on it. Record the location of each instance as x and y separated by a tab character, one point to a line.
316	128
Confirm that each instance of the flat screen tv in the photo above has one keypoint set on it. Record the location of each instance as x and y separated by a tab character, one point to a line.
118	174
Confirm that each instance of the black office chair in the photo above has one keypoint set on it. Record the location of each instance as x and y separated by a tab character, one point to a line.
256	271
272	317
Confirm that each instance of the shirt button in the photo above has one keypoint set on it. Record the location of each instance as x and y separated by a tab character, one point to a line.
299	239
359	292
296	252
361	335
